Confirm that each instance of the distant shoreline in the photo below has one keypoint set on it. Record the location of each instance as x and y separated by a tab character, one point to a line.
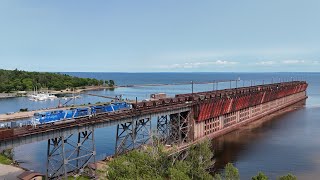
54	92
93	88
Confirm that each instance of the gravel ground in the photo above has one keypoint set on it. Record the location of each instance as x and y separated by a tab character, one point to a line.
8	172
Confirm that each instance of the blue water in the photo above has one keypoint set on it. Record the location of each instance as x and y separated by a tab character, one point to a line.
285	144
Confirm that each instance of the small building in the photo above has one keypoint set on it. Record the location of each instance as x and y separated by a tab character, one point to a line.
22	93
158	96
29	175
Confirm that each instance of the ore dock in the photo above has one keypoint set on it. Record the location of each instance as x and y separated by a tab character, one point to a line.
181	120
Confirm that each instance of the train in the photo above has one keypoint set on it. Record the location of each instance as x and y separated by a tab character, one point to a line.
226	101
206	105
59	115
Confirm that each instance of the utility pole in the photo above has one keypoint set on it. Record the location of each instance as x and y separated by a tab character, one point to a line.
192	87
136	102
74	98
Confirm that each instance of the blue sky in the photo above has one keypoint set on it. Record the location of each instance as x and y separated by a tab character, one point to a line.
160	36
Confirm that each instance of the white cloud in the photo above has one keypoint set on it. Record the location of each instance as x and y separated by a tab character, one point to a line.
232	53
265	63
199	64
293	62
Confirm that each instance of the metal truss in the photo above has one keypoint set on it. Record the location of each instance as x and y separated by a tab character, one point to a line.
174	129
131	135
179	128
171	129
70	155
163	128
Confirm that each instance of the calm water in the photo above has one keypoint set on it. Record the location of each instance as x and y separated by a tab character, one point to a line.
288	143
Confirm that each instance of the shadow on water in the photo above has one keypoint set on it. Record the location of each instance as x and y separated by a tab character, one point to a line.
276	147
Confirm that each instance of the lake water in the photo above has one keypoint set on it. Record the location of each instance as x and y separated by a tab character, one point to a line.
288	143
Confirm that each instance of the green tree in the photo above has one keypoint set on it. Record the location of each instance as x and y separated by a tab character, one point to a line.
134	165
179	171
111	83
101	82
260	176
27	83
217	177
21	80
288	177
155	163
231	172
199	158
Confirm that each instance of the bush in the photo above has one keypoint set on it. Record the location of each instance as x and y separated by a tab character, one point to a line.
260	176
155	163
23	109
288	177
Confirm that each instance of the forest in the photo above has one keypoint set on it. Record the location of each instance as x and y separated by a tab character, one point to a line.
18	80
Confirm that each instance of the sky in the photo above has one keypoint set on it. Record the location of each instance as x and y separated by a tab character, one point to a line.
160	35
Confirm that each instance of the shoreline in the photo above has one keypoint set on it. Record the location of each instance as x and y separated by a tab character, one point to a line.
93	88
9	168
54	92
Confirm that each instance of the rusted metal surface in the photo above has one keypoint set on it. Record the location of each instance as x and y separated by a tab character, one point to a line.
226	101
205	105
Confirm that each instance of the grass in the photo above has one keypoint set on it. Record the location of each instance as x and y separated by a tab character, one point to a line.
5	160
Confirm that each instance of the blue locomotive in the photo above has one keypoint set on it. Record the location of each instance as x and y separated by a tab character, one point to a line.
58	115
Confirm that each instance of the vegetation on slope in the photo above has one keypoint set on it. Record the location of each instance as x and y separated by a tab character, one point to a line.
6	157
155	163
17	80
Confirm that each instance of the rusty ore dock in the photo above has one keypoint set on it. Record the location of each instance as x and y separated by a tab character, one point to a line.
181	120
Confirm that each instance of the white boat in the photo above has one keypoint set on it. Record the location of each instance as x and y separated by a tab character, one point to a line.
41	96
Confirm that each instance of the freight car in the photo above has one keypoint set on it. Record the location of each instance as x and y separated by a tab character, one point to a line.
53	116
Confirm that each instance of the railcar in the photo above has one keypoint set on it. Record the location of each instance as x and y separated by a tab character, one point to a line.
58	115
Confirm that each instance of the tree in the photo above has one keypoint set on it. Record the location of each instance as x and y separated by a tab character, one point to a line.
111	83
179	171
155	163
288	177
217	177
101	82
260	176
134	165
199	158
231	173
27	83
17	80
